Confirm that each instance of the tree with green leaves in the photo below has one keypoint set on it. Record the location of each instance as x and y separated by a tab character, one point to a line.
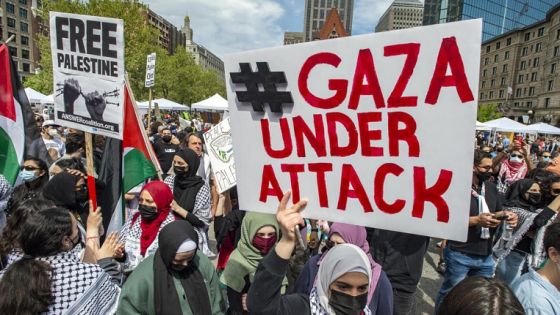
177	77
488	112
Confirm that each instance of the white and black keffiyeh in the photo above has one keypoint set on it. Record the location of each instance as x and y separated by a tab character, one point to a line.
80	288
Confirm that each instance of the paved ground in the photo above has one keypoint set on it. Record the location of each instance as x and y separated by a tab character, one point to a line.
429	284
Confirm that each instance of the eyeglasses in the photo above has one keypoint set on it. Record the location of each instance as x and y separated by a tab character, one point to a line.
546	156
516	156
29	168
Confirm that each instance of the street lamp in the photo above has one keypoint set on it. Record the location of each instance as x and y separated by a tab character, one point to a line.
530	113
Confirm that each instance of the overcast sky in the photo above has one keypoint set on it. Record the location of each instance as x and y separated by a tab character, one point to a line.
226	26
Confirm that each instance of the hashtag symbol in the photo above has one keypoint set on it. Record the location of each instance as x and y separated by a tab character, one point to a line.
269	80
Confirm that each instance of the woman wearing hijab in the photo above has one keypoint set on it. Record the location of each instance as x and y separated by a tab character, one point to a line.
380	294
259	234
514	252
49	278
191	195
513	168
34	175
342	284
139	234
177	279
69	191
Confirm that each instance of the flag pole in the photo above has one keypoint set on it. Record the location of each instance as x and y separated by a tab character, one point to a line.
90	172
150	108
11	38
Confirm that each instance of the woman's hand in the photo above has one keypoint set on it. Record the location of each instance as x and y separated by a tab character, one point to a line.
94	221
179	210
288	218
110	248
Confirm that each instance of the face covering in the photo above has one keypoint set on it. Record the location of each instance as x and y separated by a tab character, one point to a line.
82	196
179	170
53	132
546	159
147	213
264	244
166	138
515	160
28	176
534	198
345	304
482	177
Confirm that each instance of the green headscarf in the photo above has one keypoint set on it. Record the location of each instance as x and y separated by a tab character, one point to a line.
245	259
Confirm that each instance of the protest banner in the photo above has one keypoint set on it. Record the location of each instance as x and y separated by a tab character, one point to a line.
374	130
150	70
88	72
220	150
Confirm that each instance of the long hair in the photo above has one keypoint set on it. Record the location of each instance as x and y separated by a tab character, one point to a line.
481	296
26	285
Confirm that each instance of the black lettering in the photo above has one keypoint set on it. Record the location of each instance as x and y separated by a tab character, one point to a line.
67	61
108	39
60	58
77	32
87	61
114	69
60	32
93	38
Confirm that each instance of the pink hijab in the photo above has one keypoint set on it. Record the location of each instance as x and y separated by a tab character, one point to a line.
353	234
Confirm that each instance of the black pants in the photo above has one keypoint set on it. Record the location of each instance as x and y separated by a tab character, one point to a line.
404	303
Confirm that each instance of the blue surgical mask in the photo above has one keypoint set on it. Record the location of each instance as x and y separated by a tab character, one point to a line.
28	176
546	158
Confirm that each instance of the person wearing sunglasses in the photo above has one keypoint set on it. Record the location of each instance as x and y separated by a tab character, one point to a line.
34	176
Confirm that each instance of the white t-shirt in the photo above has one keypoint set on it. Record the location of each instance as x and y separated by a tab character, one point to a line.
57	144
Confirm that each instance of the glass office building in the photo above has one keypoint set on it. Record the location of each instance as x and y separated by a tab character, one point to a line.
499	16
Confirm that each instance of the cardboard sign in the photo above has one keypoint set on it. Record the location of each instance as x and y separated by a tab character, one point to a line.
220	149
150	70
374	130
88	72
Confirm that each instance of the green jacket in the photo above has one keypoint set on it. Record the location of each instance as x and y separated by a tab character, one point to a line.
137	294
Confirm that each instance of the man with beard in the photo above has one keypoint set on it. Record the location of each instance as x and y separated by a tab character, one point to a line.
165	150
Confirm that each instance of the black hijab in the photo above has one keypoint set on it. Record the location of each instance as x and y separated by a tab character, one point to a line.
166	299
515	194
61	190
187	185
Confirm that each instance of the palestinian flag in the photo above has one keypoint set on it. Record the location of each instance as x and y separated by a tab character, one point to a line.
18	130
138	156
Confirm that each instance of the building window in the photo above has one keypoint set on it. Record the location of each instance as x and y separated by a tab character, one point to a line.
10	8
558	34
481	95
494	70
15	37
496	58
508	41
491	95
13	51
532	91
25	54
483	84
25	67
516	104
550	85
520	79
530	104
23	13
546	102
25	40
488	48
497	45
556	49
486	61
492	83
538	47
527	36
484	73
24	27
536	62
524	52
23	2
541	31
522	66
501	95
503	82
506	55
11	22
552	68
533	76
504	68
518	92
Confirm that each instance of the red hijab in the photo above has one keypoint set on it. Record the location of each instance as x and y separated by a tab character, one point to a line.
163	197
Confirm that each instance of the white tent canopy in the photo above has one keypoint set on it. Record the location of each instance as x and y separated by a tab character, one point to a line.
506	124
482	126
163	104
34	96
544	128
49	99
216	102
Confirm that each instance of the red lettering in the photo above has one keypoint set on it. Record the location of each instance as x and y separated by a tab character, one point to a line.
286	137
338	85
379	186
365	68
321	169
433	194
346	122
269	184
293	169
411	50
349	177
407	134
367	135
449	55
317	140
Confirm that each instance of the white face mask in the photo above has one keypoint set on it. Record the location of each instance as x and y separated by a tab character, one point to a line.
53	132
515	159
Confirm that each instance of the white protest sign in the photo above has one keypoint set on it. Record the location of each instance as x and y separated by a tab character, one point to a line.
88	72
220	149
150	70
374	130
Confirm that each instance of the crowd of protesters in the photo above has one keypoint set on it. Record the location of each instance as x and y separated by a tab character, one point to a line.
56	257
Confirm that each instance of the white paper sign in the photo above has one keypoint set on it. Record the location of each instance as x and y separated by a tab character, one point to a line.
374	130
88	72
150	70
220	149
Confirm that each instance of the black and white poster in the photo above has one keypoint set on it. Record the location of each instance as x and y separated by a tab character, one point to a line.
88	72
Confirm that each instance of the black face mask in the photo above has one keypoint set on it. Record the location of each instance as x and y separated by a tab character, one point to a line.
166	138
535	198
180	170
147	213
82	196
482	177
344	304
